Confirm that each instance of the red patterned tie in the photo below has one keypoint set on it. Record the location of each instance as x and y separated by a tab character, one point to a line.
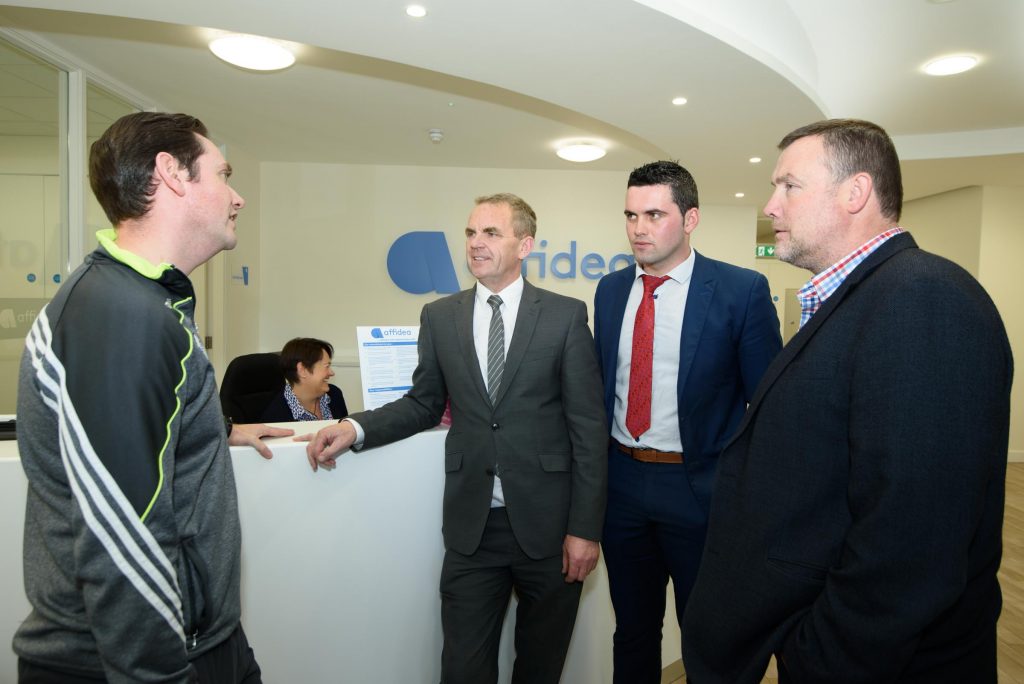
638	408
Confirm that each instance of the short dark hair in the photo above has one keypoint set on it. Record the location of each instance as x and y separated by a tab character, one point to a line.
121	162
670	173
304	350
855	146
524	219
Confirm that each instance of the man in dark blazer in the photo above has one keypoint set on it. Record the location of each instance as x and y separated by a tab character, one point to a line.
525	470
856	521
712	332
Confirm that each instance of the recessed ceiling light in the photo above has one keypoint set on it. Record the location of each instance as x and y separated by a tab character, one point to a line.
678	101
581	152
740	195
252	52
755	160
416	11
953	64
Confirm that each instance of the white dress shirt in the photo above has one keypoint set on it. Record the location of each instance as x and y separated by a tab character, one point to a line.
510	298
669	304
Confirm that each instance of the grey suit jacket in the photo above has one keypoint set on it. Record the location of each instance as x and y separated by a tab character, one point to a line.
546	432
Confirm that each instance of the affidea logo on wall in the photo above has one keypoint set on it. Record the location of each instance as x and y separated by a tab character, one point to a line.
420	262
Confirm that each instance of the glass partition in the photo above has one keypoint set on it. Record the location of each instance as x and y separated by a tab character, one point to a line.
33	243
102	108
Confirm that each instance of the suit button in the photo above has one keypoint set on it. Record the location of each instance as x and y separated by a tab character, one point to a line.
495	426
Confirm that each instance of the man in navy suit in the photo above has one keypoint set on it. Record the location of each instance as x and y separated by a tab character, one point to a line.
682	341
857	517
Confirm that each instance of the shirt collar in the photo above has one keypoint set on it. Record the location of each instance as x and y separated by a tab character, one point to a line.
819	288
107	237
510	296
681	273
299	411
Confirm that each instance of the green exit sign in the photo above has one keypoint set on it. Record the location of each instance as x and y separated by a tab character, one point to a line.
766	251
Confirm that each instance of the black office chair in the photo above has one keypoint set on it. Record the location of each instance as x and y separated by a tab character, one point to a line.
251	381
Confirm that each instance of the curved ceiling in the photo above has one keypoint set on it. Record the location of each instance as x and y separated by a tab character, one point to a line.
507	81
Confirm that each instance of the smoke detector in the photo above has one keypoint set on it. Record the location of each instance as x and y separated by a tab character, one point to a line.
436	135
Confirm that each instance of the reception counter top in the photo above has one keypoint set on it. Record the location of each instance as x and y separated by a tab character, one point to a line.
340	568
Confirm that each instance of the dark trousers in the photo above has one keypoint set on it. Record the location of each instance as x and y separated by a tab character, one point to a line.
229	662
475	593
654	529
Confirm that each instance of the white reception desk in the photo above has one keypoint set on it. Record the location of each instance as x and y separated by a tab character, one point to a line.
340	569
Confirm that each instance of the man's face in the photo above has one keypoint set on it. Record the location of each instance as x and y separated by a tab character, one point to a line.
213	205
658	232
493	251
804	208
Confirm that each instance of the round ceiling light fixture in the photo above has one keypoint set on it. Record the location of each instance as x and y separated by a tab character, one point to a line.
252	52
678	101
755	160
416	11
949	65
581	152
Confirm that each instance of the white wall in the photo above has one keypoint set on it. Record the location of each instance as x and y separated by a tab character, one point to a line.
326	230
1002	246
979	228
948	224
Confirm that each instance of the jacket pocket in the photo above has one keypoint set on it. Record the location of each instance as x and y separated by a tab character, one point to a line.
194	593
555	463
801	570
453	462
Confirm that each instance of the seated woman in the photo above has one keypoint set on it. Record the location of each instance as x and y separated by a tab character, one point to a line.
306	363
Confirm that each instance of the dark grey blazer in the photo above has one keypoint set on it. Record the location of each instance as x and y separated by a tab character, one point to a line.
546	432
856	520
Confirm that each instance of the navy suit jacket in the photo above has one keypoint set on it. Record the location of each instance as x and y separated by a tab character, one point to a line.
857	516
730	335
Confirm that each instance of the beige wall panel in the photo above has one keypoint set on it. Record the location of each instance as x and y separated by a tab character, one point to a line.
948	224
1002	247
326	230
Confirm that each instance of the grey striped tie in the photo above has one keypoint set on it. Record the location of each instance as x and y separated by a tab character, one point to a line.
495	348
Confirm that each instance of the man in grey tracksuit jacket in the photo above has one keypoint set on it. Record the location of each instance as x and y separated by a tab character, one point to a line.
132	539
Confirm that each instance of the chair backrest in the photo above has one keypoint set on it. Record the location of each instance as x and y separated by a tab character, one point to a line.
251	381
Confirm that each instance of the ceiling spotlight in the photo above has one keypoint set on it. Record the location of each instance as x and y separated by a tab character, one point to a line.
581	152
953	64
252	52
678	101
740	195
755	160
436	135
416	11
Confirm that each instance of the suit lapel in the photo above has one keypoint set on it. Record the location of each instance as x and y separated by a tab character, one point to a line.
612	322
800	340
526	322
698	303
467	345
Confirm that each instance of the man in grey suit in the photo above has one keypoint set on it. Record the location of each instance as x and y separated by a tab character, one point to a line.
525	464
856	521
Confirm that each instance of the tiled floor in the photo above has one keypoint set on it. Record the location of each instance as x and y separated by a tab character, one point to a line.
1011	577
